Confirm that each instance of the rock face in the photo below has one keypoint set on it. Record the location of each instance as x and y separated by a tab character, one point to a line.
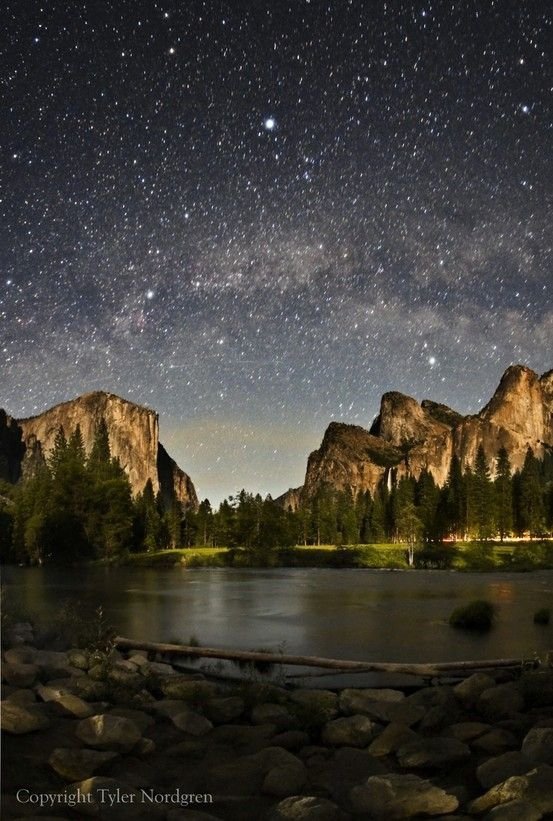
133	437
408	437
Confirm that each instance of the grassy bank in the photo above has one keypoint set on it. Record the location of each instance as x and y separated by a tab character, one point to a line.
464	556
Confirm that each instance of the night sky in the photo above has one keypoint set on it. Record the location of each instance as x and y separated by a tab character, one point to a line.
256	217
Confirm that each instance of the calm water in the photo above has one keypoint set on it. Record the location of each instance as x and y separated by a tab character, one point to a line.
355	614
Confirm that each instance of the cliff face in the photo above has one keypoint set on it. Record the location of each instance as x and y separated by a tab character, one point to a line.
407	437
133	438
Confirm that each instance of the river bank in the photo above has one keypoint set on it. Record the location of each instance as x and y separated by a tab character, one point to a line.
517	556
127	736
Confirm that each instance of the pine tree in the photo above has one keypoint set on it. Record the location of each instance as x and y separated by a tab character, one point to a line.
482	499
503	494
531	497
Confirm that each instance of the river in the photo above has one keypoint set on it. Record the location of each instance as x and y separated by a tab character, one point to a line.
352	614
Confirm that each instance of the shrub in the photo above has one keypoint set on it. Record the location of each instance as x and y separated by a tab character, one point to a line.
476	615
542	616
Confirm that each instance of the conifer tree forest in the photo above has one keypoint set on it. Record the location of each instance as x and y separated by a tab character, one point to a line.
79	506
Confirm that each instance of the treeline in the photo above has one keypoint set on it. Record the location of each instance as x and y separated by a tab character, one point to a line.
469	506
80	506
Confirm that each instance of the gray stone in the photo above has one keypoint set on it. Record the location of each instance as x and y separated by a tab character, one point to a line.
400	712
245	775
193	723
67	703
320	705
350	731
18	674
467	730
499	702
284	780
22	697
498	769
139	717
291	740
347	767
89	689
187	689
538	745
535	787
169	707
224	710
269	713
18	720
469	691
23	654
495	742
432	752
78	659
77	765
243	738
393	796
306	808
353	701
391	739
428	697
518	810
108	732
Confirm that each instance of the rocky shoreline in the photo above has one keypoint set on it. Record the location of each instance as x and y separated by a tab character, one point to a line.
124	736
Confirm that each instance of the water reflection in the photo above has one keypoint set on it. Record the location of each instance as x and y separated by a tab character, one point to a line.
357	614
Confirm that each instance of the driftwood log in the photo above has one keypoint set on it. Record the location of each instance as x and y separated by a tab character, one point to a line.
339	665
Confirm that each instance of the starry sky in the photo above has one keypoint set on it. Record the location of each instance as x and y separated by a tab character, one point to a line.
257	217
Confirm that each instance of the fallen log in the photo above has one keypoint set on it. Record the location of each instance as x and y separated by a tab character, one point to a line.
342	665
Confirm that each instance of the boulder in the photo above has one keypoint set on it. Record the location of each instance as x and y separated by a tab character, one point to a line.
22	697
353	701
77	765
346	767
517	810
469	691
109	732
22	654
498	769
19	674
18	720
499	702
243	738
496	741
66	703
224	710
350	731
291	740
315	706
467	730
391	739
139	717
538	745
284	780
392	795
193	723
188	689
535	787
246	775
272	714
78	659
437	753
306	808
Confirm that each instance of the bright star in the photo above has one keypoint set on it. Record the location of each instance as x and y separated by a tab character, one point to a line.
525	109
431	360
269	123
150	294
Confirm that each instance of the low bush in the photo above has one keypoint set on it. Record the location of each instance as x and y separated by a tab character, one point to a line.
476	615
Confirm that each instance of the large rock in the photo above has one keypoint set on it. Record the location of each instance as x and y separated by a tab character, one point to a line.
501	767
18	674
18	720
306	808
192	723
353	701
517	810
187	689
391	739
350	731
391	796
500	702
432	752
77	765
316	706
272	714
470	689
284	779
538	745
246	775
109	732
66	703
224	710
535	787
346	767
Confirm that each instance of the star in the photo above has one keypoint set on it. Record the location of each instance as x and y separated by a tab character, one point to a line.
269	124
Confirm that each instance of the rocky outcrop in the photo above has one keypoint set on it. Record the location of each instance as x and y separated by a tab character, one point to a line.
133	438
409	437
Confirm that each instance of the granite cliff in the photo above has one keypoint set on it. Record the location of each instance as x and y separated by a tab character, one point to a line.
408	437
133	437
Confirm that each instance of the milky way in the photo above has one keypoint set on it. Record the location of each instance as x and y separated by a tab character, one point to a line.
258	216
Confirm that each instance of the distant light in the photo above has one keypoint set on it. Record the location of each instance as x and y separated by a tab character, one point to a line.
525	109
269	123
150	294
431	360
171	50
